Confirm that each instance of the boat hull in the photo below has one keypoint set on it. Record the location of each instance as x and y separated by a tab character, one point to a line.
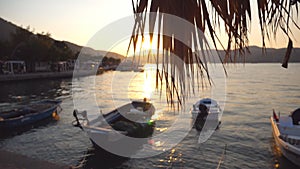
120	146
291	152
28	119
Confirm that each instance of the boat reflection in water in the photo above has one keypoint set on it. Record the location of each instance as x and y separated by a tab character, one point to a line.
95	157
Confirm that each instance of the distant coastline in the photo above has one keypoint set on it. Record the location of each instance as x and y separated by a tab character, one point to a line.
256	55
270	55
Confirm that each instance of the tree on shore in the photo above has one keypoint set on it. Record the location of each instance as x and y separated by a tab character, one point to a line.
32	48
110	61
4	50
233	16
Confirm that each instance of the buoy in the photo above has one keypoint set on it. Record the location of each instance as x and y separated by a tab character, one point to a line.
55	115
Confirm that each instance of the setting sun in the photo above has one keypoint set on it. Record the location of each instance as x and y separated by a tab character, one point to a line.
147	44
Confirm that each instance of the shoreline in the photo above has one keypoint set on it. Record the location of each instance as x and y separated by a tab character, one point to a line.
11	160
42	75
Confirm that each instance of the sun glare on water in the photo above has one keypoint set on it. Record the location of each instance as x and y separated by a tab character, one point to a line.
142	84
149	74
149	82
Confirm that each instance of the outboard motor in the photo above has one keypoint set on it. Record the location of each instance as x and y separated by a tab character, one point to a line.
201	118
296	117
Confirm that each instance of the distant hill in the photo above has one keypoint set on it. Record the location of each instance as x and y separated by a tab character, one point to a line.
7	28
271	55
256	54
89	51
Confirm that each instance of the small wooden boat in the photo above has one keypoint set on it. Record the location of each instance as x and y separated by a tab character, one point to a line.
30	114
206	111
286	132
132	120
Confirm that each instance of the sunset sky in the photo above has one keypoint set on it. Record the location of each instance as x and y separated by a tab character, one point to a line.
78	20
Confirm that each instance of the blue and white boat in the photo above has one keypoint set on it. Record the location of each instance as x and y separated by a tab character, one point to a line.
206	111
212	105
30	114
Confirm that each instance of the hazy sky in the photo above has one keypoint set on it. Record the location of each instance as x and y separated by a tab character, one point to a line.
78	20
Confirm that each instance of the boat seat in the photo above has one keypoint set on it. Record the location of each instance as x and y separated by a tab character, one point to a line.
140	108
286	121
136	111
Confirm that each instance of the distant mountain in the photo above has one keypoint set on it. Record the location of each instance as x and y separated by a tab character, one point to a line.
91	52
8	28
271	55
256	54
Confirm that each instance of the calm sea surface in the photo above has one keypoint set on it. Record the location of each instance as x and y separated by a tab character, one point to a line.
252	91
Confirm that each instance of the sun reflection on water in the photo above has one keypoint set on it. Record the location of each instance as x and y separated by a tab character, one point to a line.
142	85
149	82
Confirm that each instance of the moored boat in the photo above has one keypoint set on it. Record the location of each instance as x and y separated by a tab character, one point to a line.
132	120
206	111
286	132
29	114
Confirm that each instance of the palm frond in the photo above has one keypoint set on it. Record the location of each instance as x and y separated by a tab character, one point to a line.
235	16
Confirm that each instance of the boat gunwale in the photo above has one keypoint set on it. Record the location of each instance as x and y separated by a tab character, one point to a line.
54	105
103	130
287	146
115	112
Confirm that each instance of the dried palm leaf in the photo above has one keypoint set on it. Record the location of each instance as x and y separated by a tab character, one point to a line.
235	16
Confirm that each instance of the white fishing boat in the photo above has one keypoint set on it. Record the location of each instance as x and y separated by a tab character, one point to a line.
212	106
112	129
206	110
286	132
